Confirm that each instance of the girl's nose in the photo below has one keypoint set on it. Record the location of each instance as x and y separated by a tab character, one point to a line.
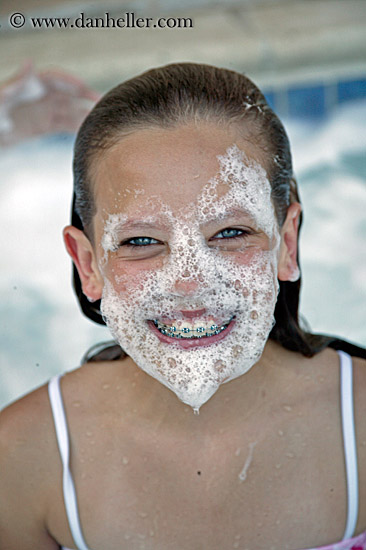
184	286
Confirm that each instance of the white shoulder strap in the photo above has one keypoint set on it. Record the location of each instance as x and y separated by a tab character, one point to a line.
59	418
349	441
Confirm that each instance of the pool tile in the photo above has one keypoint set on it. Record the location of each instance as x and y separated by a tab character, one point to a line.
351	89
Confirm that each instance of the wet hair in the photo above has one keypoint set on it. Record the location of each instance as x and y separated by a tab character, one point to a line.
168	97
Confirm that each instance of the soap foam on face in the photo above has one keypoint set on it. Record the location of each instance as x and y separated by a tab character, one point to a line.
249	187
224	287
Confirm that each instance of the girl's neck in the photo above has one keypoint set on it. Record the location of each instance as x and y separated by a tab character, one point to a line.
234	401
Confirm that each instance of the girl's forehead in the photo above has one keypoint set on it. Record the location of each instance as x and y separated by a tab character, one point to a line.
174	164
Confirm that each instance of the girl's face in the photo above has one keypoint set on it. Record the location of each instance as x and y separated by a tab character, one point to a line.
187	247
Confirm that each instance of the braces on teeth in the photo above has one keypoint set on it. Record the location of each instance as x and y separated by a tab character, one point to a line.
199	332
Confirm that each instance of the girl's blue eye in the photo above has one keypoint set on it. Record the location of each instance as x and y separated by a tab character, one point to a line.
140	241
229	233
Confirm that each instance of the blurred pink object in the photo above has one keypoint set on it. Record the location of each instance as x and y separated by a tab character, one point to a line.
34	103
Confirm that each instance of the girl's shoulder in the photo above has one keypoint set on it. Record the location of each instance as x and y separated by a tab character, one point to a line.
25	422
27	432
359	390
27	439
28	465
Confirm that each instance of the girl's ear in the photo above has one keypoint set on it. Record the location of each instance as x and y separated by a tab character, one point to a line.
82	254
288	270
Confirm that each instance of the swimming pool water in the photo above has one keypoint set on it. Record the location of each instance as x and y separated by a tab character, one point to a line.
42	329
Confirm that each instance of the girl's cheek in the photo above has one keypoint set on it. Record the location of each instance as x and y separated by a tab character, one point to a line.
128	278
113	273
248	256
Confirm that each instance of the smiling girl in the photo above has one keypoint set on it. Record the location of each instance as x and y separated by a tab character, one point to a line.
184	241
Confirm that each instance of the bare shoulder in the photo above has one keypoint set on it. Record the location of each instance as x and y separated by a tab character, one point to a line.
315	382
25	427
359	389
359	385
30	464
15	414
327	360
27	464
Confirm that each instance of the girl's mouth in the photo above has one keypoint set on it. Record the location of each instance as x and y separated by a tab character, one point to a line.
191	334
188	330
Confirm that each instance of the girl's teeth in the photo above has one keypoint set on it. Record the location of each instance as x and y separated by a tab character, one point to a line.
202	327
185	329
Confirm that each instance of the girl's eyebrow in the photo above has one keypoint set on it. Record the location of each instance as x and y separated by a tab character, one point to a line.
232	212
154	222
141	224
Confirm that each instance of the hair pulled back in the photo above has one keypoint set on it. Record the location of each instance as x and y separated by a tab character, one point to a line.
173	95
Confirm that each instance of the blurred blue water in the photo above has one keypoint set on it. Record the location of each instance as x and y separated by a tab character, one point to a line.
42	330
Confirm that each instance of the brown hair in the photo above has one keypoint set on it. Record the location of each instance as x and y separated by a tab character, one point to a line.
177	94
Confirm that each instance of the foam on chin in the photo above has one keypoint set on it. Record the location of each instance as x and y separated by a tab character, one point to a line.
227	288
